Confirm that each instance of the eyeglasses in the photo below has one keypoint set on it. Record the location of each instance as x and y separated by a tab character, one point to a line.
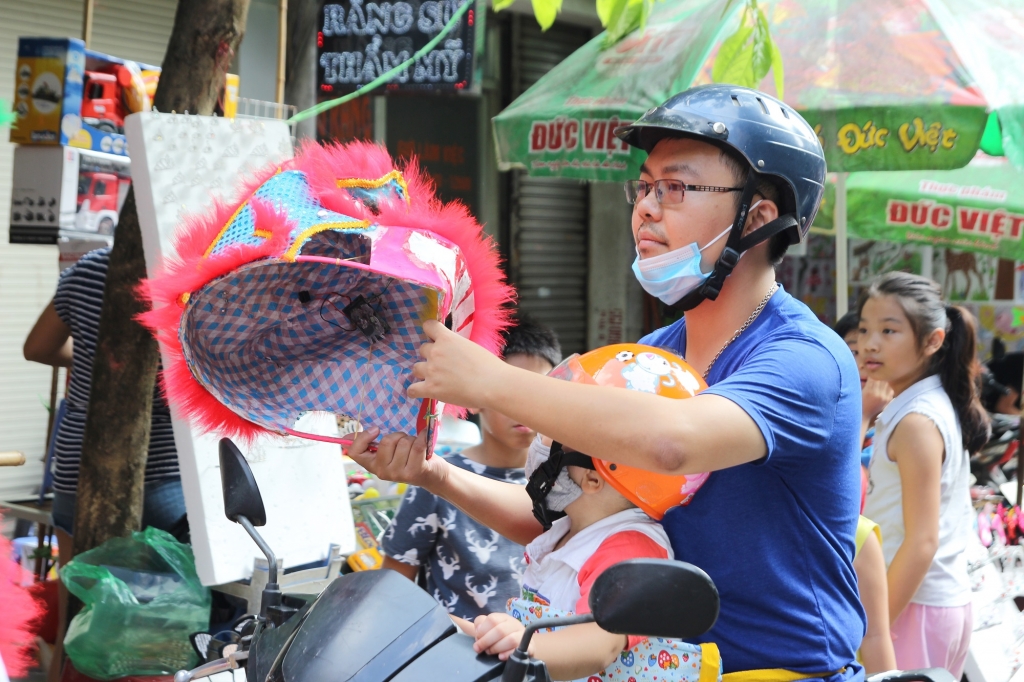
667	191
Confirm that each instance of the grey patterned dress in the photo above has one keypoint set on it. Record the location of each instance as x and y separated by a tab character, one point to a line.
468	568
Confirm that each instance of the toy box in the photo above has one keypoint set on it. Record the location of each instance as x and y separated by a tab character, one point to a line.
68	95
23	552
65	192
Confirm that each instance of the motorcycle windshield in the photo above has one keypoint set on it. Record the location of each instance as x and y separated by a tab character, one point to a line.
365	627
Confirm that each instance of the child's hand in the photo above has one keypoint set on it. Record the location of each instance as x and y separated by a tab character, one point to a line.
399	457
875	396
454	369
497	634
464	625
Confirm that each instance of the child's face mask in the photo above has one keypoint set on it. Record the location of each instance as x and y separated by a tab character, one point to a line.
548	481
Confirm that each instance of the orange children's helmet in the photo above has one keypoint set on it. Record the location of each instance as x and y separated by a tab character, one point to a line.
651	370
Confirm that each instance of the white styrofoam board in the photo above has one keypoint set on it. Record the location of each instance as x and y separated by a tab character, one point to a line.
179	164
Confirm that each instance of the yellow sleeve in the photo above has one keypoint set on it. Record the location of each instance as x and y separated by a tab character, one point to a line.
865	527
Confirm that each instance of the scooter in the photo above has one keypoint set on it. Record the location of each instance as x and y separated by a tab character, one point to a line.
377	626
996	462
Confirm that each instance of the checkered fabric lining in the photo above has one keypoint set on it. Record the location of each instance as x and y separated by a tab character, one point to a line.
348	244
288	188
251	342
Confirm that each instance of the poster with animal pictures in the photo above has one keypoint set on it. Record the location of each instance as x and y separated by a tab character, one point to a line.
821	246
965	275
787	272
811	278
1003	320
816	284
869	259
818	288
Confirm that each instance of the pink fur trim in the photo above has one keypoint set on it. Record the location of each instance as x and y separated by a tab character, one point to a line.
192	273
20	612
190	269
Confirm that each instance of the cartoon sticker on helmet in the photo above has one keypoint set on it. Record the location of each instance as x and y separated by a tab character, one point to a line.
649	370
686	380
692	485
646	372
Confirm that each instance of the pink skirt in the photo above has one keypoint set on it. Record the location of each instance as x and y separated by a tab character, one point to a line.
933	637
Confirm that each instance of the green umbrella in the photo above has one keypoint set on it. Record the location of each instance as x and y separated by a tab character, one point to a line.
888	84
978	208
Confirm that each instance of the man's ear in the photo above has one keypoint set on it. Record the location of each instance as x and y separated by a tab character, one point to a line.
761	215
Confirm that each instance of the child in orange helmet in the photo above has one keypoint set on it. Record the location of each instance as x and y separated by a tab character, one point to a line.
596	514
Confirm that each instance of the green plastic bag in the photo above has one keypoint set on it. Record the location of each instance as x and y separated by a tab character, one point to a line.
142	600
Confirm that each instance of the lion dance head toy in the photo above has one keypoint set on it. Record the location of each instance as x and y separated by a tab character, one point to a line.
310	291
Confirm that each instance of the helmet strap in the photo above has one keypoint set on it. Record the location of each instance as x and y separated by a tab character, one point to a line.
735	246
543	480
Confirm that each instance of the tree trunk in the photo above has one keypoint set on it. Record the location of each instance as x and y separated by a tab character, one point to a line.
110	482
300	62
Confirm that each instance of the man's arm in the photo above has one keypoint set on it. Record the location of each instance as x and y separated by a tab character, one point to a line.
49	342
704	433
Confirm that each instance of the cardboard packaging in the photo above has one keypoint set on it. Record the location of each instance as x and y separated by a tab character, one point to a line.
64	192
68	95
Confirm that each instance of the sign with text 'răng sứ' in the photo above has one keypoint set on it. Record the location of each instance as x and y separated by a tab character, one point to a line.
359	41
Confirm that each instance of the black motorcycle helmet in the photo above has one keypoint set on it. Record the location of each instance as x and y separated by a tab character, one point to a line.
774	140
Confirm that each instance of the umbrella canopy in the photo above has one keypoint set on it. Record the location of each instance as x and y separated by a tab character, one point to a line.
978	208
888	84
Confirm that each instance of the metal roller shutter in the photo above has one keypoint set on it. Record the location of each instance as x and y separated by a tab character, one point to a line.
28	273
136	29
133	29
549	224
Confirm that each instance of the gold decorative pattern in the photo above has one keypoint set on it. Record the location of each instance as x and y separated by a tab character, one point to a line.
294	249
363	183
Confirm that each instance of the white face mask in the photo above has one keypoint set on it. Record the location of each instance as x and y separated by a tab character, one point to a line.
565	491
673	275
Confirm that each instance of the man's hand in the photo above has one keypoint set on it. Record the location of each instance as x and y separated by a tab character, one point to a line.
874	397
399	458
497	634
454	370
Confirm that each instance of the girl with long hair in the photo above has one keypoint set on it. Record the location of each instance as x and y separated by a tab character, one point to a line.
919	489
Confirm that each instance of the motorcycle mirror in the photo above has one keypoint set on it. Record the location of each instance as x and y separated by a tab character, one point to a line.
241	494
654	598
243	504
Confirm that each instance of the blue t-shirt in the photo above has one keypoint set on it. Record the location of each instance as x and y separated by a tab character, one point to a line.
777	535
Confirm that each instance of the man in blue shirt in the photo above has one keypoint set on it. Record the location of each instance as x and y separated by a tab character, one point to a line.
779	426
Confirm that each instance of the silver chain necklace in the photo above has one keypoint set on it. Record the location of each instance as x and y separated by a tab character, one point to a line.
750	320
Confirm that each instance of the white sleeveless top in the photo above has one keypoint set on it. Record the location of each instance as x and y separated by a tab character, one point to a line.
552	573
946	583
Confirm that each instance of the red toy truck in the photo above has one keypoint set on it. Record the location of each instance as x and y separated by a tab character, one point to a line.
99	198
103	99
